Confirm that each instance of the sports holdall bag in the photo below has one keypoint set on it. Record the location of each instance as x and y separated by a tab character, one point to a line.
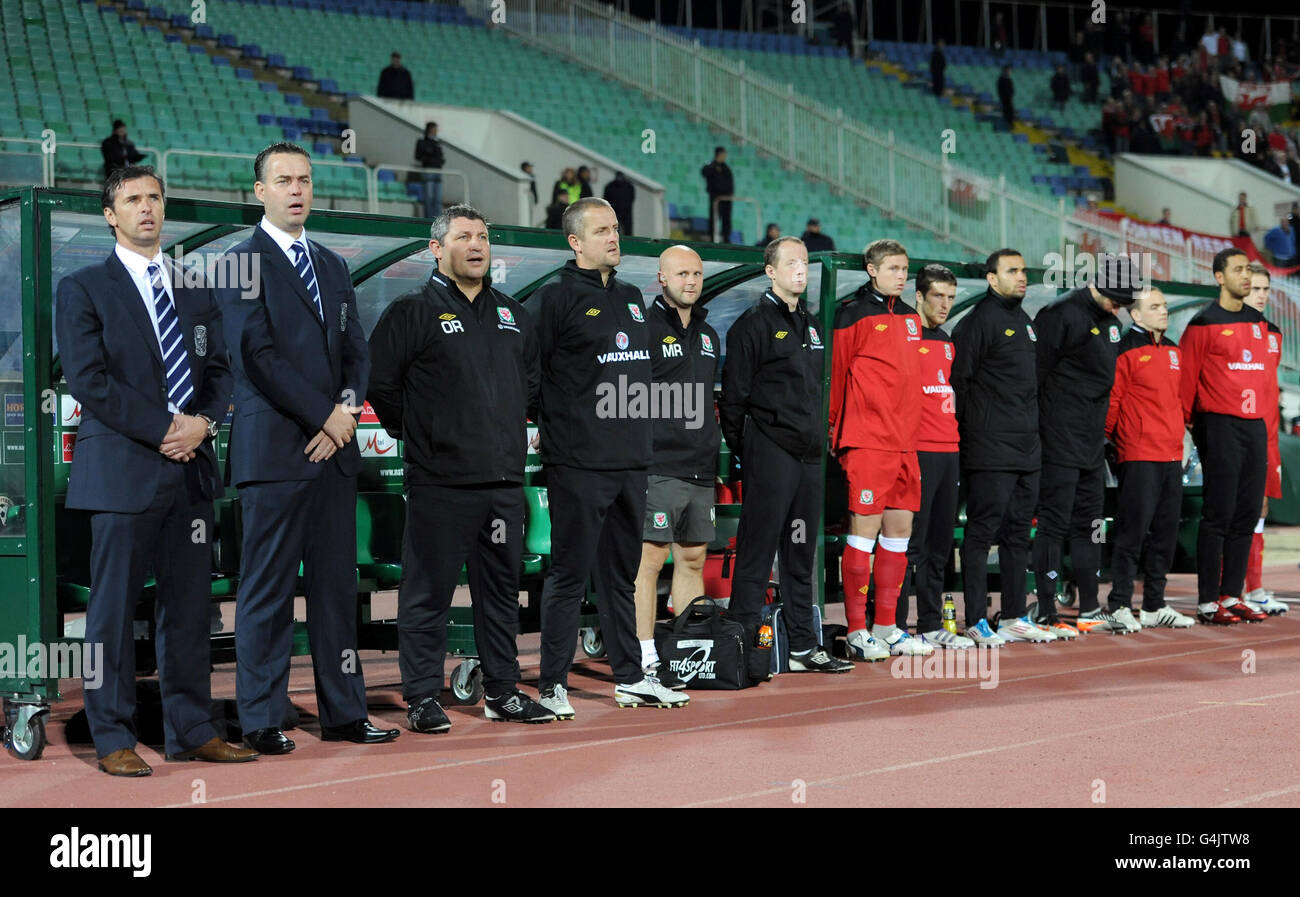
706	649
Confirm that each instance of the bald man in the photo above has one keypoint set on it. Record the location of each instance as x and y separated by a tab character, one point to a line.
679	498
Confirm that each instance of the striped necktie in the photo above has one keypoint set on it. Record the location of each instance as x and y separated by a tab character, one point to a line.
176	362
302	261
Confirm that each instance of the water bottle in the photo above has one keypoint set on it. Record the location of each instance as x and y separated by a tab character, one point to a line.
949	614
765	636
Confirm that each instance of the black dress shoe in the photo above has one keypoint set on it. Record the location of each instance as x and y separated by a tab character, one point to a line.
359	731
269	741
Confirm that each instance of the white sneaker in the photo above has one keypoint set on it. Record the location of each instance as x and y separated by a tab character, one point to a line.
863	647
1263	601
1124	616
983	635
900	641
556	700
1166	617
942	638
649	692
1022	629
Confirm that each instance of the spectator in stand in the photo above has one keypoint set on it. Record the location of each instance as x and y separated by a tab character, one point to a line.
773	233
1144	47
1293	219
1076	53
1239	52
1204	135
1090	78
118	152
1223	44
1280	242
816	241
1162	83
999	35
1280	166
1210	41
395	81
568	182
1241	220
527	168
584	183
1164	217
719	183
621	195
1007	94
1118	78
1060	87
555	211
428	152
938	62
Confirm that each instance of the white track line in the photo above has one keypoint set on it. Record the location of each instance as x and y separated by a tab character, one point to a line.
1261	796
785	789
327	783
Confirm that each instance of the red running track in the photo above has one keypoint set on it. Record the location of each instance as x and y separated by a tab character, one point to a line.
1139	720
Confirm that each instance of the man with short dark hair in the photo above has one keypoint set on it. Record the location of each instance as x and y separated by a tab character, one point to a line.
720	186
1224	391
595	354
428	152
301	367
143	351
937	442
813	238
395	80
118	152
1145	424
455	377
771	414
995	379
1078	341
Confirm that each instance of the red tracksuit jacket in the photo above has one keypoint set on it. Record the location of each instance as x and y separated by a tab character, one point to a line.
1225	364
937	431
875	373
1144	419
1273	414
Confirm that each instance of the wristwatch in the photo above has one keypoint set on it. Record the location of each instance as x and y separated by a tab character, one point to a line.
213	426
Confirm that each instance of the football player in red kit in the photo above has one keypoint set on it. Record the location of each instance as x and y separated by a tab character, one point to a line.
1257	597
874	413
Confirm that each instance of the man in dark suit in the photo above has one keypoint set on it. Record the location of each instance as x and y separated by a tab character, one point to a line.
144	356
301	366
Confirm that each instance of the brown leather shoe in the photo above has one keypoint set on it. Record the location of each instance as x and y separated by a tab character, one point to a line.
125	762
216	751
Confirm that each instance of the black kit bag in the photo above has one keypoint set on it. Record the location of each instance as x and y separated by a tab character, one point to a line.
706	649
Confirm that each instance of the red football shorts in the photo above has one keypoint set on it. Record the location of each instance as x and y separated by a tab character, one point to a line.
880	480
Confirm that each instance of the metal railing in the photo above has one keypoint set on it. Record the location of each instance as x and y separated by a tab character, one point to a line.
920	188
411	169
759	230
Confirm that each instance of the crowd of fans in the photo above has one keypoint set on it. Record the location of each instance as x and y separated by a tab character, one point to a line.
1172	101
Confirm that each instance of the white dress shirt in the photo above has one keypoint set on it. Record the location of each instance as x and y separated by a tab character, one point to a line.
138	267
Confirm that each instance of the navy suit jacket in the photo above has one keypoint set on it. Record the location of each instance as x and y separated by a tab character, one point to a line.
290	368
114	368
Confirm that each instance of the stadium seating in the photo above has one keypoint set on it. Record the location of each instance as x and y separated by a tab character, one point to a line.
497	72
